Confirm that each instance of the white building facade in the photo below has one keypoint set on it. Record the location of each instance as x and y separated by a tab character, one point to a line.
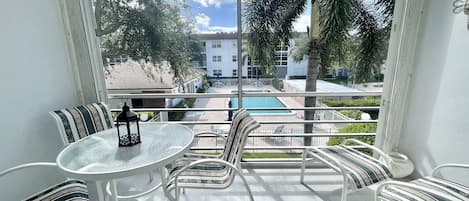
220	58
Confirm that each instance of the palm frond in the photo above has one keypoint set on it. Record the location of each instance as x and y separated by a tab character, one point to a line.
386	9
335	21
369	57
288	15
301	49
268	23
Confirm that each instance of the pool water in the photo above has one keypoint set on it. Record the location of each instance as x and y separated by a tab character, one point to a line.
261	102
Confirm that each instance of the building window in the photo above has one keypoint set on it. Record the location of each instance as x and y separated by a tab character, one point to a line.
217	72
282	47
234	58
235	72
203	44
281	58
216	44
249	62
216	58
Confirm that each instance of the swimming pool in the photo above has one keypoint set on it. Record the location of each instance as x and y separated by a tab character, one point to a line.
261	102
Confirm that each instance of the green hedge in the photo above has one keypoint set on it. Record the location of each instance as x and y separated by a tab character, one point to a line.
355	128
353	114
278	84
362	102
179	115
368	101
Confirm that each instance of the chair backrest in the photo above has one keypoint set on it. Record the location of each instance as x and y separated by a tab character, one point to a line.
241	126
80	121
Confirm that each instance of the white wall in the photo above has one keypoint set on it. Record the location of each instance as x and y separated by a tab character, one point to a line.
437	122
226	51
35	78
296	68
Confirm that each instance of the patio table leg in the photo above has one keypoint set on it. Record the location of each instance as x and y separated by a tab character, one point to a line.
113	190
100	191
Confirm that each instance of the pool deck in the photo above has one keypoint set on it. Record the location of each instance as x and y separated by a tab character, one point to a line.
223	115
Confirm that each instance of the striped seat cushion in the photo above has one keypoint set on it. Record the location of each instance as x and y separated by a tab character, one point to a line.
363	170
81	121
212	175
454	190
67	191
215	175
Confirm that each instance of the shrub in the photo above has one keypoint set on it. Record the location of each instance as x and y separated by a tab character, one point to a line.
278	84
179	115
368	101
149	114
353	114
362	102
355	128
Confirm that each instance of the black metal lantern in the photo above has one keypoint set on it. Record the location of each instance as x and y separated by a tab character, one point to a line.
128	129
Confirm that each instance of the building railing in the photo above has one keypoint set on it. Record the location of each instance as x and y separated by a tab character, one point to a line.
289	140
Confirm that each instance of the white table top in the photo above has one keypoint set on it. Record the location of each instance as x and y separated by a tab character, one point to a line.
99	157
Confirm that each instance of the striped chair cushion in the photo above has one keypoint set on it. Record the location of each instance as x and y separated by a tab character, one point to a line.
215	175
67	191
363	170
211	175
81	121
454	190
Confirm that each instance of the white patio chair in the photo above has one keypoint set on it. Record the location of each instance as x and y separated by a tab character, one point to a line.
78	122
358	169
68	190
213	172
428	188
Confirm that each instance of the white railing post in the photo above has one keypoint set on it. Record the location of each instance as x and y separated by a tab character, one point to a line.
163	116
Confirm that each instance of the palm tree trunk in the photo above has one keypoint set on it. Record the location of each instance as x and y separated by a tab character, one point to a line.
311	77
312	71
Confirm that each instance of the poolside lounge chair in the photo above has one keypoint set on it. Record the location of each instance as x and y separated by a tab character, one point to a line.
427	188
358	169
68	190
212	172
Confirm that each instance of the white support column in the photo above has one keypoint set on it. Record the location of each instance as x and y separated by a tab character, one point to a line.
83	49
399	68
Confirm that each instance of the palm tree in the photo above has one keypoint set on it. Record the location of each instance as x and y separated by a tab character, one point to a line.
269	22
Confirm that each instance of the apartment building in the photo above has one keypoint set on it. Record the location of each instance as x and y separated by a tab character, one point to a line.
220	58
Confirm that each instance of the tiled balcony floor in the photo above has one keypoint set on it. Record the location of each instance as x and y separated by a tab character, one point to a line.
271	185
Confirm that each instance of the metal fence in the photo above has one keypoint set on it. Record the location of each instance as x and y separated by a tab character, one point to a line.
286	140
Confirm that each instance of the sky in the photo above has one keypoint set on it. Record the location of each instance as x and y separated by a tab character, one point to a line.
213	16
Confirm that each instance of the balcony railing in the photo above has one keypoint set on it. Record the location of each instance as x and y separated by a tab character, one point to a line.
288	141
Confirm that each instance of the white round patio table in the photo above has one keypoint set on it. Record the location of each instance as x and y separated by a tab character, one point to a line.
98	157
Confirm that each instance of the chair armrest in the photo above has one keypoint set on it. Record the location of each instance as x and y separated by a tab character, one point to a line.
334	163
210	133
27	165
449	165
381	187
387	159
